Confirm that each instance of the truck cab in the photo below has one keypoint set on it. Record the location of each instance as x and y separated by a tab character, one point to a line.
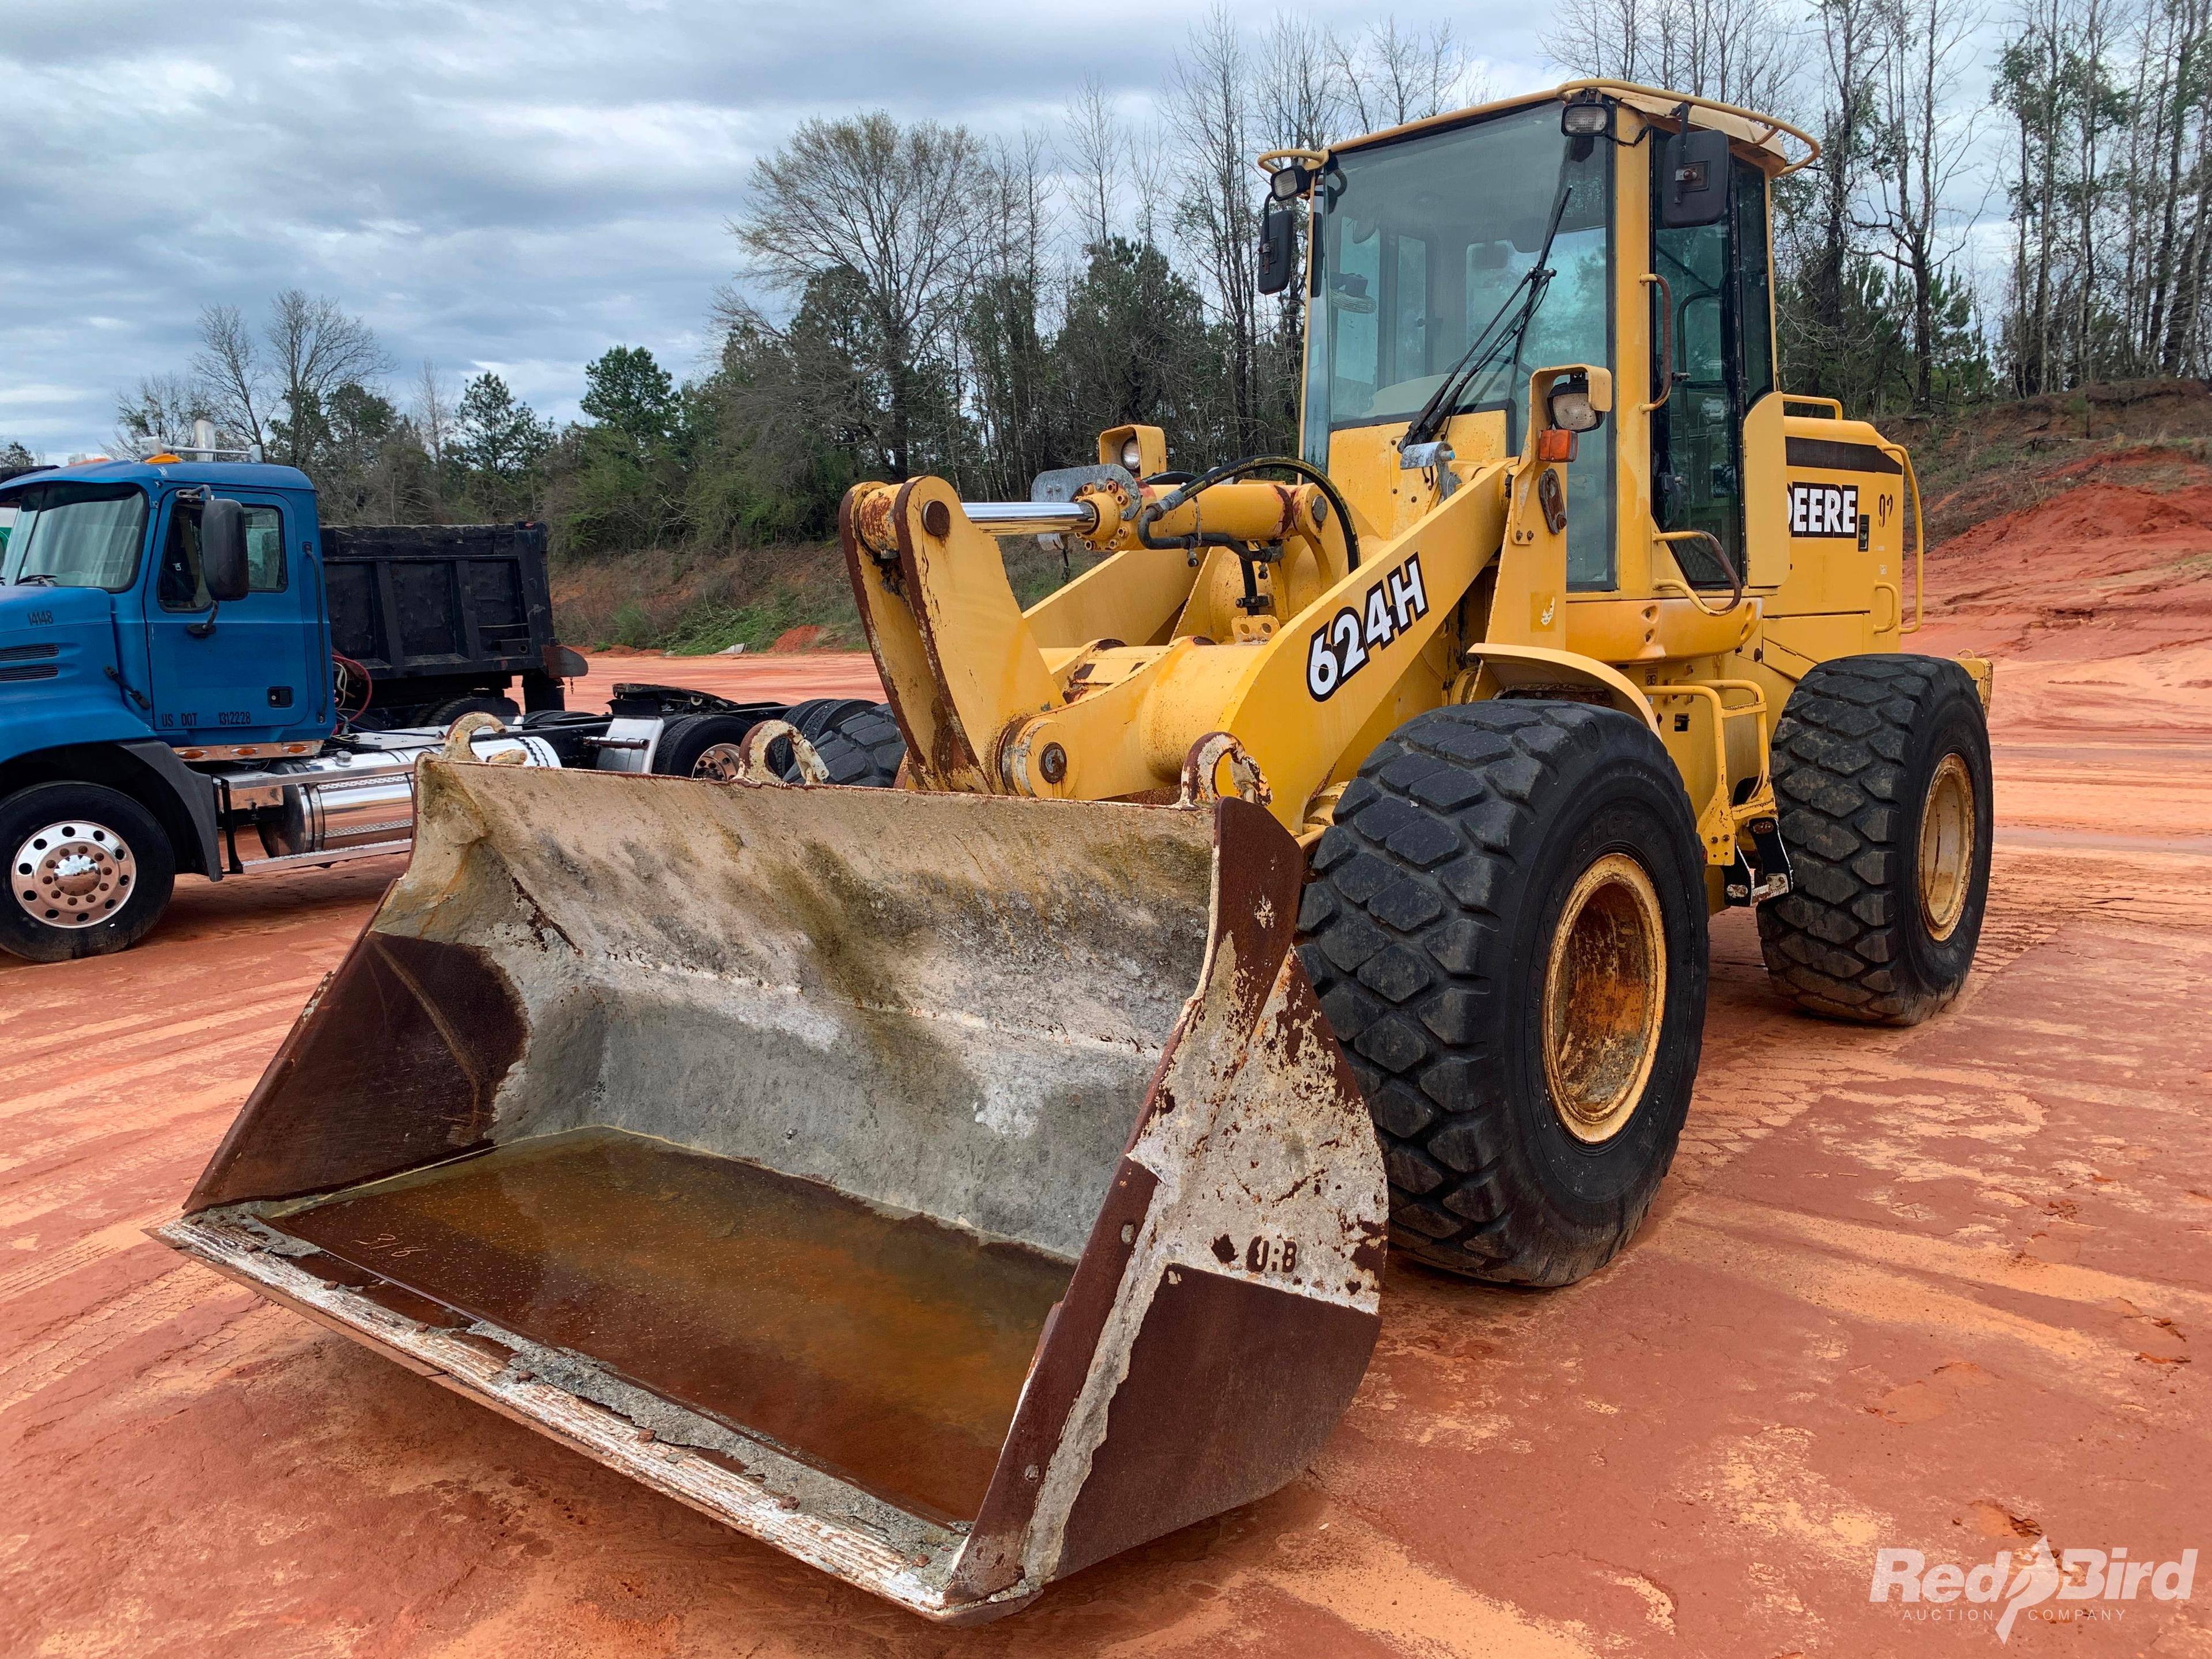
198	677
102	597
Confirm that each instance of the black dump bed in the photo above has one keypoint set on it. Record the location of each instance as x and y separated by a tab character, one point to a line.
435	612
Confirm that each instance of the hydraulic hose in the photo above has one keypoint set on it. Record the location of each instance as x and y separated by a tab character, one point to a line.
1183	492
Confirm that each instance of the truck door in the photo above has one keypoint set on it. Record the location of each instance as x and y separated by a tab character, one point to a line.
1715	282
240	671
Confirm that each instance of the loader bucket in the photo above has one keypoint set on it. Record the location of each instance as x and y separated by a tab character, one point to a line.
949	1190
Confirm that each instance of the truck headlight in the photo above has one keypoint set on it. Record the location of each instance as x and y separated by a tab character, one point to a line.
1132	456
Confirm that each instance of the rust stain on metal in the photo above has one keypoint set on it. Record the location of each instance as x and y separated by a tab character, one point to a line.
823	1016
872	523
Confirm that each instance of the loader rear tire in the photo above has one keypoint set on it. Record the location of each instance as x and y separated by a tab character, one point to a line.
1506	927
1881	777
860	745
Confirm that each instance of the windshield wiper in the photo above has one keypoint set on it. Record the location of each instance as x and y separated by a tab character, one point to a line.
1528	293
36	579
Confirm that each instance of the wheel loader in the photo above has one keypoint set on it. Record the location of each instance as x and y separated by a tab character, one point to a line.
955	1180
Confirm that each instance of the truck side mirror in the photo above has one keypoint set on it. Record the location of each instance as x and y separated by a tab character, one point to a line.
223	550
1277	248
1693	181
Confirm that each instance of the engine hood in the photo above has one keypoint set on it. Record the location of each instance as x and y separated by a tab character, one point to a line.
56	635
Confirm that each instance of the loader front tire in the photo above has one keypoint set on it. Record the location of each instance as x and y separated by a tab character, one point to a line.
1881	777
860	745
1506	926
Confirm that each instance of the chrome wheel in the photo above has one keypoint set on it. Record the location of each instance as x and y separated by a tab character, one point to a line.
721	762
72	875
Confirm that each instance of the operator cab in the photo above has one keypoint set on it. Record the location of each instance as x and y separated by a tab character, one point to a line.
1451	258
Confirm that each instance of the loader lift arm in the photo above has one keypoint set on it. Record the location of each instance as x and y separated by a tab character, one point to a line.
1239	607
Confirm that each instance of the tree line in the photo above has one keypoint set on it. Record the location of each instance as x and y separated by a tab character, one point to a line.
916	298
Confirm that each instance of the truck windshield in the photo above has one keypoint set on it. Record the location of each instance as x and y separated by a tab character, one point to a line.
74	535
1422	242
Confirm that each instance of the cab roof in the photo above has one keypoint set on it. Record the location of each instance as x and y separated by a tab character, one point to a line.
236	475
1770	137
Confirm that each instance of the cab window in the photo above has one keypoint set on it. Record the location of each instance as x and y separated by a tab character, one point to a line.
74	535
181	585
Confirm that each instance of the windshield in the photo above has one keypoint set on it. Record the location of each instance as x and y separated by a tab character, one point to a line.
74	535
1422	243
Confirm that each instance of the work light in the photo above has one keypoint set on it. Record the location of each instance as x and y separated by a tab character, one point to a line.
1586	116
1571	409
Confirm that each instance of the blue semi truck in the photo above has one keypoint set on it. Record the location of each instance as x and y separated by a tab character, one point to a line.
198	678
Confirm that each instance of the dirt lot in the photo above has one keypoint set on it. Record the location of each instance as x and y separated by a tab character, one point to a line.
1948	1289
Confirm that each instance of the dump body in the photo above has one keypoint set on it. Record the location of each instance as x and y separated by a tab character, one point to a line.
434	612
951	1191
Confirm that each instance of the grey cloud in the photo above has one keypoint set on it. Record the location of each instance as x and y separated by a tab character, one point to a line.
504	183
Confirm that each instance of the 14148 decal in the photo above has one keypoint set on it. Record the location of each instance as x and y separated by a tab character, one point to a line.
1341	645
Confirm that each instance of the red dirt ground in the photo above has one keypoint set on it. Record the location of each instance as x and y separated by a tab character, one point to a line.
1948	1288
789	676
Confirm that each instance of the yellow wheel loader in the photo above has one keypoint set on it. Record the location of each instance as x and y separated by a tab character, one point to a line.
955	1182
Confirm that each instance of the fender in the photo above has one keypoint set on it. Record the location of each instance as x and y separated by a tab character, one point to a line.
195	796
1515	667
183	801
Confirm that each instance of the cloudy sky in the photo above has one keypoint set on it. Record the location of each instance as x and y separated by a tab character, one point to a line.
499	184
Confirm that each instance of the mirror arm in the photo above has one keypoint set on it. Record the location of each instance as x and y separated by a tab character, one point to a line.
205	625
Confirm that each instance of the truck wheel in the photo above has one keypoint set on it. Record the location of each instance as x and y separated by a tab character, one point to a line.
1506	926
89	872
862	745
446	713
1881	774
703	746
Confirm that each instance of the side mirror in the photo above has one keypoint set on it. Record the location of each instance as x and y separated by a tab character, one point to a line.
223	550
1693	181
1278	229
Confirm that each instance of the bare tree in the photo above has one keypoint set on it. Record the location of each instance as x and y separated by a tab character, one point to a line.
1854	42
1390	75
1923	154
158	414
1739	51
1095	149
230	373
1613	39
1210	109
1303	95
902	209
430	411
315	348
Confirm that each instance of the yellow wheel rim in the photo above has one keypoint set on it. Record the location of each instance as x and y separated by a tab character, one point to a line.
1605	991
1946	846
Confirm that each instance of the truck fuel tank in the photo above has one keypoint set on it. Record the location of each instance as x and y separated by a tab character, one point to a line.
350	800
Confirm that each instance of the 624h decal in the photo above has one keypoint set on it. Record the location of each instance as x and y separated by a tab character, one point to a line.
1341	645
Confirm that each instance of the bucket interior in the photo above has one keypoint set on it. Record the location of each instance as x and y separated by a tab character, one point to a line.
890	1349
794	1108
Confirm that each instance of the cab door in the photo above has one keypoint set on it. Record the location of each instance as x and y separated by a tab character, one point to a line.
1715	283
239	671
